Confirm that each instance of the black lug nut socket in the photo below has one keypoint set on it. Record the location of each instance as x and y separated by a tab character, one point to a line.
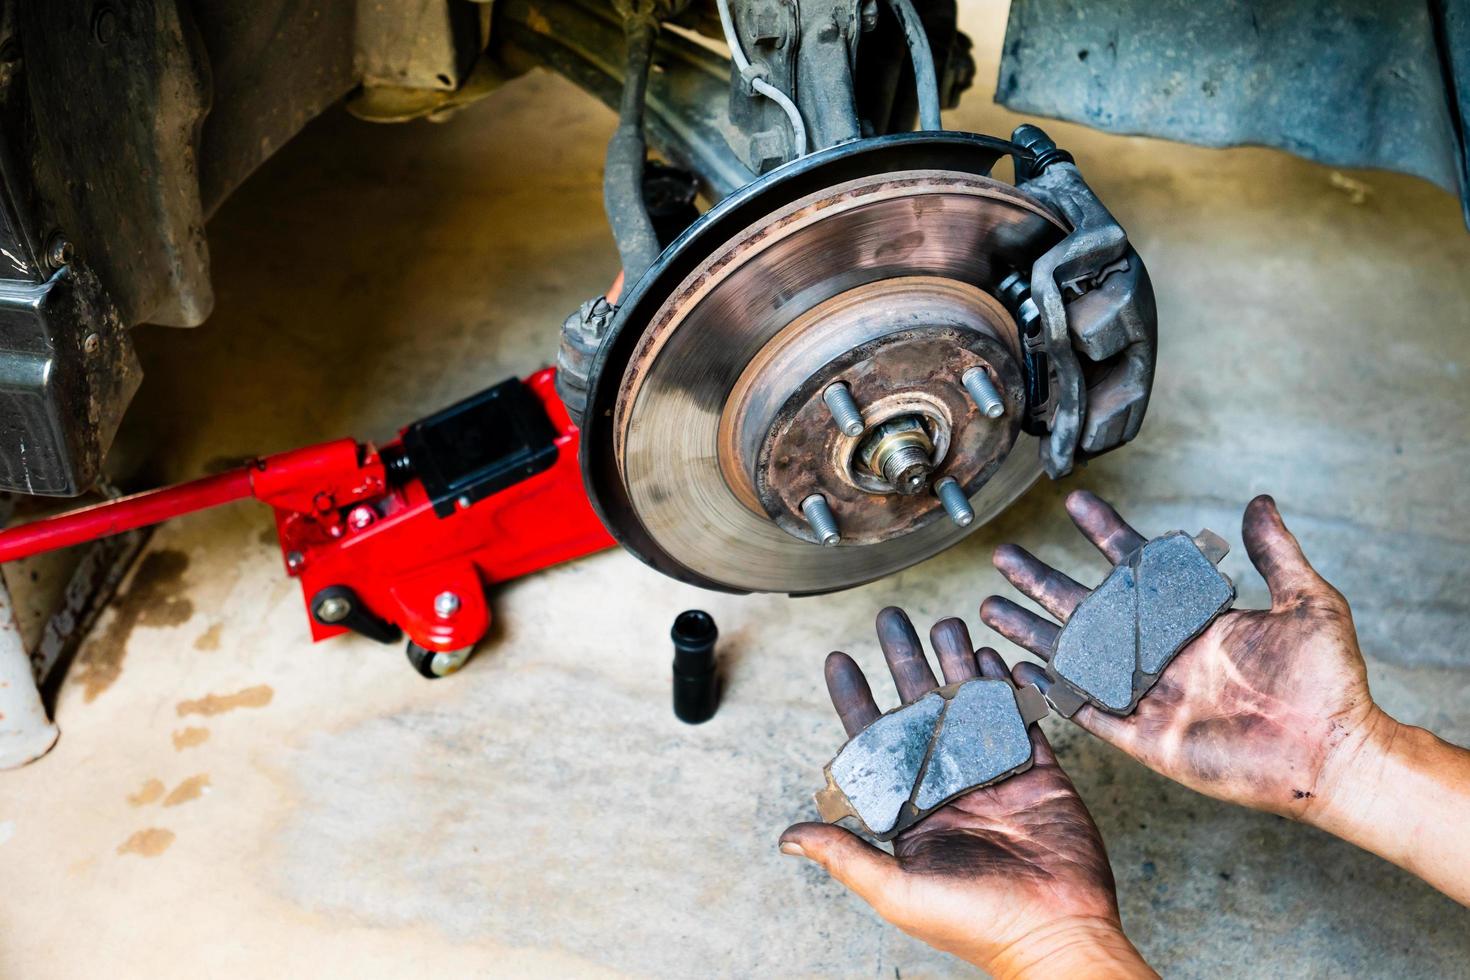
696	681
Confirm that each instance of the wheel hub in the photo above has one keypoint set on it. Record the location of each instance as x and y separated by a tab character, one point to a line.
900	347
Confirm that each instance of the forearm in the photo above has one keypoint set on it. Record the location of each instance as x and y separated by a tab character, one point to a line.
1404	794
1071	948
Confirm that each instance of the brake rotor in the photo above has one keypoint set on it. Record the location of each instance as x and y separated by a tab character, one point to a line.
871	265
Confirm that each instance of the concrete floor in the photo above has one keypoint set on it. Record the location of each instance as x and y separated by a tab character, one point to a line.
227	799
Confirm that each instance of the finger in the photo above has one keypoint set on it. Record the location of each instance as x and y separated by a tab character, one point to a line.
1020	626
850	693
869	872
1110	728
1101	524
951	641
1026	672
911	672
1276	554
991	666
1054	591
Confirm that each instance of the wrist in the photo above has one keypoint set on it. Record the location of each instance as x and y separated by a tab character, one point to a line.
1071	947
1402	794
1355	775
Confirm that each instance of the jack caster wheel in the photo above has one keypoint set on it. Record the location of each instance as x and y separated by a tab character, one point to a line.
434	664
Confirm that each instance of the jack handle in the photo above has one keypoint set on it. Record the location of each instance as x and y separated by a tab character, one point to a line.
313	479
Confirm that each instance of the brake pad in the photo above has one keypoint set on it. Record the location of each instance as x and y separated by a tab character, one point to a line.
1121	637
918	757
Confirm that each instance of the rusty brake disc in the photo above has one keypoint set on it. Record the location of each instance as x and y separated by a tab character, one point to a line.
872	265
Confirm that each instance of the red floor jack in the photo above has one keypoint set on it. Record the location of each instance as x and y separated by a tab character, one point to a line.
399	539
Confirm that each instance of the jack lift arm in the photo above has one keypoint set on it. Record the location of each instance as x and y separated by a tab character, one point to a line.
399	539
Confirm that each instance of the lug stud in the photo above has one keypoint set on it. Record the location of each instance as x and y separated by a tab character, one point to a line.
956	504
844	409
823	522
977	382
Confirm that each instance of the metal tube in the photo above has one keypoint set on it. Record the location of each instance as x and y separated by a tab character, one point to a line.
123	514
26	733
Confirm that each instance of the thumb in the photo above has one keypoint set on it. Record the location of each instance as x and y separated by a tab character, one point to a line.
1275	553
848	858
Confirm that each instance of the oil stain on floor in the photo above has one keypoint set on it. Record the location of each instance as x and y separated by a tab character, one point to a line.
216	704
187	738
149	842
154	598
190	789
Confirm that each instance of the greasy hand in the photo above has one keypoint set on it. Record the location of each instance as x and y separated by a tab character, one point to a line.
1265	708
1007	877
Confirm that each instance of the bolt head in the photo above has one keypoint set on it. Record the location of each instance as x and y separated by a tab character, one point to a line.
295	561
58	252
104	24
360	517
446	604
92	343
333	609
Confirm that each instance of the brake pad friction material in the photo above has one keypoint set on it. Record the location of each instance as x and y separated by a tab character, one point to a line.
982	734
916	758
1121	637
877	769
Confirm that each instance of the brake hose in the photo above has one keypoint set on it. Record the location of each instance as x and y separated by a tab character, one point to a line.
925	80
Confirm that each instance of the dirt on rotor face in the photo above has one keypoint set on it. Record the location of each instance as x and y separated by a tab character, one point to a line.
716	374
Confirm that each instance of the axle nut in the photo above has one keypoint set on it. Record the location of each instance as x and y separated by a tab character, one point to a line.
333	609
446	604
